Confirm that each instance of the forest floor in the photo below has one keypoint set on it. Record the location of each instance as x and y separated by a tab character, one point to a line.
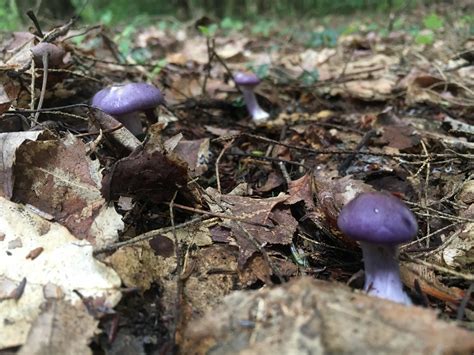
122	244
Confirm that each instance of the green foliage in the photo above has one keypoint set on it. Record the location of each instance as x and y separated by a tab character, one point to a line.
9	15
425	37
233	12
309	77
259	70
263	27
433	22
326	38
399	24
209	31
157	69
230	24
257	153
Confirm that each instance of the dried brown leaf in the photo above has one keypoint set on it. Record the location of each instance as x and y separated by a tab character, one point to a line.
154	175
58	327
263	221
9	143
301	190
58	178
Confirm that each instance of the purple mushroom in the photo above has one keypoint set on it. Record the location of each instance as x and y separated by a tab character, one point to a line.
247	83
126	101
55	54
380	221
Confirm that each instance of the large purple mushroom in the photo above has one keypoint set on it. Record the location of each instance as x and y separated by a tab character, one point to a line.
380	222
247	83
126	101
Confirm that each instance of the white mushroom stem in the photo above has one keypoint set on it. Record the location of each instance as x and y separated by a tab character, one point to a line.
382	273
132	122
257	113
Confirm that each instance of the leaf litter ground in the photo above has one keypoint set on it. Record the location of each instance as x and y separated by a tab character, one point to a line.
208	203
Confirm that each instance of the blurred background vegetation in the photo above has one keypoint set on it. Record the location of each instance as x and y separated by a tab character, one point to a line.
12	12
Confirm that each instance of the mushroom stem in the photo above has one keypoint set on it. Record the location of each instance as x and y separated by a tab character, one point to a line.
257	113
382	273
132	122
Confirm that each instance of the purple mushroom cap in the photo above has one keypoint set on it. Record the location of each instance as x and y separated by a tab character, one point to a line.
122	99
246	79
378	218
55	53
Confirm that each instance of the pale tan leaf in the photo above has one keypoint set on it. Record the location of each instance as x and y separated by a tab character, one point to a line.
308	316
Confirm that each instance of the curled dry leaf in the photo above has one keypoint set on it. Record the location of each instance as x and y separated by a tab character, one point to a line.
154	175
301	190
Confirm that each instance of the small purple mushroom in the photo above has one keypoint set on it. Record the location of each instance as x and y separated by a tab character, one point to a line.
247	83
380	221
125	101
55	54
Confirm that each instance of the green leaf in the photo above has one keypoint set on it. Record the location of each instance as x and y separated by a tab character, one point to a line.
263	27
106	17
159	66
309	77
399	24
208	31
433	22
424	38
229	24
260	70
257	153
326	38
77	40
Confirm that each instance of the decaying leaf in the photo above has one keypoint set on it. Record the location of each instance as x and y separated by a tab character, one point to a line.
302	190
152	173
60	326
372	79
400	137
195	153
5	100
412	274
9	143
373	90
57	177
318	317
65	262
261	221
422	87
210	273
140	264
459	251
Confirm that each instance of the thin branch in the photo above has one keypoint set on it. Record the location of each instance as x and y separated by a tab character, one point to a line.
148	235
